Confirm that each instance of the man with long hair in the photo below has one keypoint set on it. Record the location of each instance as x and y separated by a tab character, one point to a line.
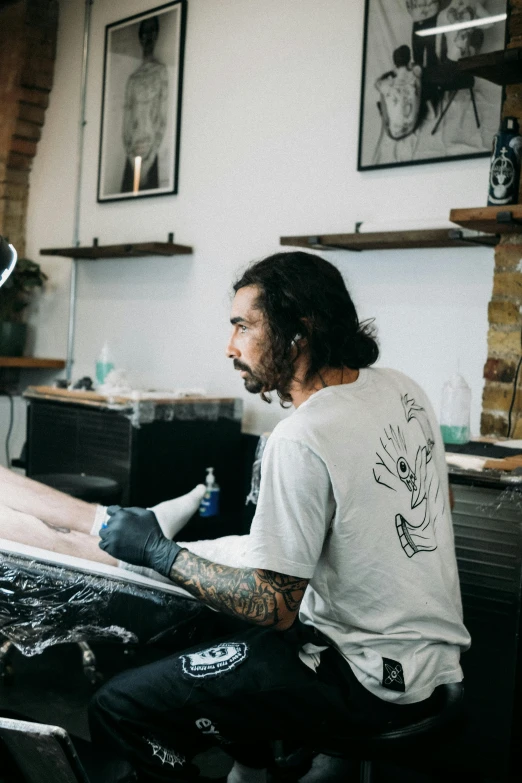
349	610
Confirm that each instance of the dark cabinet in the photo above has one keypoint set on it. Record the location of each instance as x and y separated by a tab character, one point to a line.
153	450
488	539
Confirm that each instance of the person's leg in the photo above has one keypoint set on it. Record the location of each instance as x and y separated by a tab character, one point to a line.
26	529
226	550
240	693
34	514
38	500
61	510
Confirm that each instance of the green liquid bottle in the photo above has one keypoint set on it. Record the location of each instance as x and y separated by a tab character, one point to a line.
104	365
455	411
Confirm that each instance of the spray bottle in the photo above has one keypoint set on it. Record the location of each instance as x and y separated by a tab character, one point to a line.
209	506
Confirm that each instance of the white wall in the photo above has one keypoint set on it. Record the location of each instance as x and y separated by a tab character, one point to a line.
268	148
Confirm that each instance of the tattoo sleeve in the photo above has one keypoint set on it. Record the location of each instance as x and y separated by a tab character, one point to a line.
257	596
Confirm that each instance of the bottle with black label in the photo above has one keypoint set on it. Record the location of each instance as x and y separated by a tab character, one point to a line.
504	171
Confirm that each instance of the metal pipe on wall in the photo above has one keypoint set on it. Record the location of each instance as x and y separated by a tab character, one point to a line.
79	179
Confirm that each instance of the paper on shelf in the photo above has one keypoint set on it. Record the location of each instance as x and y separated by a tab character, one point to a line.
466	461
375	226
509	444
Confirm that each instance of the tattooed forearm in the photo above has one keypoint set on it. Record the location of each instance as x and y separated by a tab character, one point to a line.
257	596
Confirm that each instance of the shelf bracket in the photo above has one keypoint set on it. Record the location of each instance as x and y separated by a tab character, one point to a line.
507	217
458	235
315	242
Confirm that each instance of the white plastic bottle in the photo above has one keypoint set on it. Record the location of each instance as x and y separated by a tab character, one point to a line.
209	506
455	410
104	364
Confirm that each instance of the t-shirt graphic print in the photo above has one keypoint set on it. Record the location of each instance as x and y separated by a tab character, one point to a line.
405	468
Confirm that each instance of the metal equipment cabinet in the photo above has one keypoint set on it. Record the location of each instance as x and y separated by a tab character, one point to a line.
488	537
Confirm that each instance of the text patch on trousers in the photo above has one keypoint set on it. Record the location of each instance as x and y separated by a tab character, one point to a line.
214	661
392	675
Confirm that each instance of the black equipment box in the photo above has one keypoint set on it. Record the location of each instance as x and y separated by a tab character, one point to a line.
155	447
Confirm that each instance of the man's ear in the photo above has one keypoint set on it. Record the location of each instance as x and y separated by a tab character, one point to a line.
306	328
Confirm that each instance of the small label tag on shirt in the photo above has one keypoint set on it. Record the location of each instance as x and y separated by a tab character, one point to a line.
392	675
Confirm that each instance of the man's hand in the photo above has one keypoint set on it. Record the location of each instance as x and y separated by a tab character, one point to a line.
134	536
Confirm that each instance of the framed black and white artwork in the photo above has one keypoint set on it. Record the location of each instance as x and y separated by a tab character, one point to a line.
417	105
141	104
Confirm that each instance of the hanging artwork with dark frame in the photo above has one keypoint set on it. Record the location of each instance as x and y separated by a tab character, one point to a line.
416	105
141	104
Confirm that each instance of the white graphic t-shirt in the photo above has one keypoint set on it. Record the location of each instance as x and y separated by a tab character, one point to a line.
354	497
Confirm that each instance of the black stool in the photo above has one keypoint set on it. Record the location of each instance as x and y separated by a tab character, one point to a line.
446	77
392	741
93	489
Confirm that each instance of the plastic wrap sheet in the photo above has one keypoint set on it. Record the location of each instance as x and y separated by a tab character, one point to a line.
147	411
44	603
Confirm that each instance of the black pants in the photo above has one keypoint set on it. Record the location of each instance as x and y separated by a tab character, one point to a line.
240	692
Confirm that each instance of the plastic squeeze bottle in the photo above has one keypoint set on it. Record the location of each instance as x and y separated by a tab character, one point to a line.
455	410
209	506
104	364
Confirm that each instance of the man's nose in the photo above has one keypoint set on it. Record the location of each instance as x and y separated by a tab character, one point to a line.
231	350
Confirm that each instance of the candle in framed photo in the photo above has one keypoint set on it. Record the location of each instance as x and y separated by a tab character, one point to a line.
137	173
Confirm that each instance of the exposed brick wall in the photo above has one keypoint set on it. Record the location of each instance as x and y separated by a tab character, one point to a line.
28	31
505	307
504	347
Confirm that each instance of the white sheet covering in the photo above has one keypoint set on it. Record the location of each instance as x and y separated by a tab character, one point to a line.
90	566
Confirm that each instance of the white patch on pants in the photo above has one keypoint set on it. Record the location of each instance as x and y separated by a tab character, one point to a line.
214	661
166	755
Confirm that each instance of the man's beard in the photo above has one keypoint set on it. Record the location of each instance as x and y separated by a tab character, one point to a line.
253	383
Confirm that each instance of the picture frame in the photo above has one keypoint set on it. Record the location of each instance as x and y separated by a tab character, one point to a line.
416	105
141	104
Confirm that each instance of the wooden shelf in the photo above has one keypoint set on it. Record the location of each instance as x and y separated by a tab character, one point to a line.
31	363
131	250
494	220
392	240
502	67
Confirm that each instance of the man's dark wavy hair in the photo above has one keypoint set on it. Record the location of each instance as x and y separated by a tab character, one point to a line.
300	293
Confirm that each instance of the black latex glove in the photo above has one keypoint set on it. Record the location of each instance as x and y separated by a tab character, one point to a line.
134	536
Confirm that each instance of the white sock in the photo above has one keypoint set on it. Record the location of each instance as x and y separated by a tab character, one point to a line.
174	514
100	518
241	774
